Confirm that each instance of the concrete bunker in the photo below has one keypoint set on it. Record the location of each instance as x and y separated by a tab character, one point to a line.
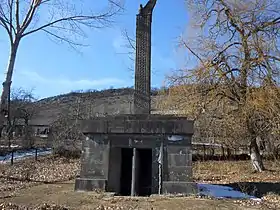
134	155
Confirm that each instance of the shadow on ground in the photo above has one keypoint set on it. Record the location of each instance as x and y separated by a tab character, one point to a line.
257	189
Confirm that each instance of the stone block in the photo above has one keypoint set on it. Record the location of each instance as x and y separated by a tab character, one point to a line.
138	123
116	126
87	184
91	156
137	140
179	150
180	173
94	170
186	188
179	160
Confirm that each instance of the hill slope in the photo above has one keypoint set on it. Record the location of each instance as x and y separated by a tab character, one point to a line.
86	104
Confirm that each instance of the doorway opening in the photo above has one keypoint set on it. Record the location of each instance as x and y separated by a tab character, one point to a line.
126	171
144	176
143	172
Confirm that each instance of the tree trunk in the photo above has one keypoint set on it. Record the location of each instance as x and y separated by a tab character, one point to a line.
27	140
7	83
256	156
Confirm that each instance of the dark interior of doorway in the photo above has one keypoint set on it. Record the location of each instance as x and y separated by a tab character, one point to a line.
126	169
144	170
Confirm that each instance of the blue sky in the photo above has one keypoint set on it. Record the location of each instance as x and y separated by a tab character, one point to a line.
50	69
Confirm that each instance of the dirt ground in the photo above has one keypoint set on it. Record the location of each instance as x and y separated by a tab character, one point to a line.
62	194
45	185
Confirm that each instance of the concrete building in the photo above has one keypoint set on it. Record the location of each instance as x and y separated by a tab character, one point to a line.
134	152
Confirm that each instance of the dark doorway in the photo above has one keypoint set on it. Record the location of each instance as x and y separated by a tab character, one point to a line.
144	172
126	171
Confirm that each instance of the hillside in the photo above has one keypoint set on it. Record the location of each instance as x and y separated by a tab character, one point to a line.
87	104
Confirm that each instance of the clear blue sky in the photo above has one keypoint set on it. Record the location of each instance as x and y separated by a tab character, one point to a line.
52	69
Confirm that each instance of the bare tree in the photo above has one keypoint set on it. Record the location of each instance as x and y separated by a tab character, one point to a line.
62	20
130	46
237	54
21	110
65	133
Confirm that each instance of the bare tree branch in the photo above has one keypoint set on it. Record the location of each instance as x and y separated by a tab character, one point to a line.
17	16
68	20
80	19
237	56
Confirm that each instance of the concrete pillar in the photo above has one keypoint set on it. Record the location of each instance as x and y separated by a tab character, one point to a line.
178	177
133	177
94	164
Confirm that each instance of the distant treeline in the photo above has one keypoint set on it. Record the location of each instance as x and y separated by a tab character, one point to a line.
206	151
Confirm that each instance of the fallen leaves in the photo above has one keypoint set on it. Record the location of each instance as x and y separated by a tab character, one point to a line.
9	206
272	200
224	172
30	172
248	202
49	170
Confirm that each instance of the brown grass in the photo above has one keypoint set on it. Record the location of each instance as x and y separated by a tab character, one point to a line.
62	194
30	172
224	172
31	193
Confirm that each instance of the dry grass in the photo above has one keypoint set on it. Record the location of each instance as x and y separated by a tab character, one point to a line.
63	195
224	172
240	175
54	171
30	172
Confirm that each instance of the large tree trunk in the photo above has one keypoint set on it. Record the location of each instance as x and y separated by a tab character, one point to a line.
256	156
7	83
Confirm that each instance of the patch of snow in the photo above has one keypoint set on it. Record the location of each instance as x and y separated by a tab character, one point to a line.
175	138
20	155
220	191
12	146
207	144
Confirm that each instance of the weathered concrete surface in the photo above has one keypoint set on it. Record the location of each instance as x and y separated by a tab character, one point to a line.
139	123
178	175
94	164
101	155
186	188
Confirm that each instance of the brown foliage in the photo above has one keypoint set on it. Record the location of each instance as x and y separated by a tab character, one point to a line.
233	91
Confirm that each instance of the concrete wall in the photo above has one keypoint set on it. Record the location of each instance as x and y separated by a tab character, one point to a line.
178	167
94	164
